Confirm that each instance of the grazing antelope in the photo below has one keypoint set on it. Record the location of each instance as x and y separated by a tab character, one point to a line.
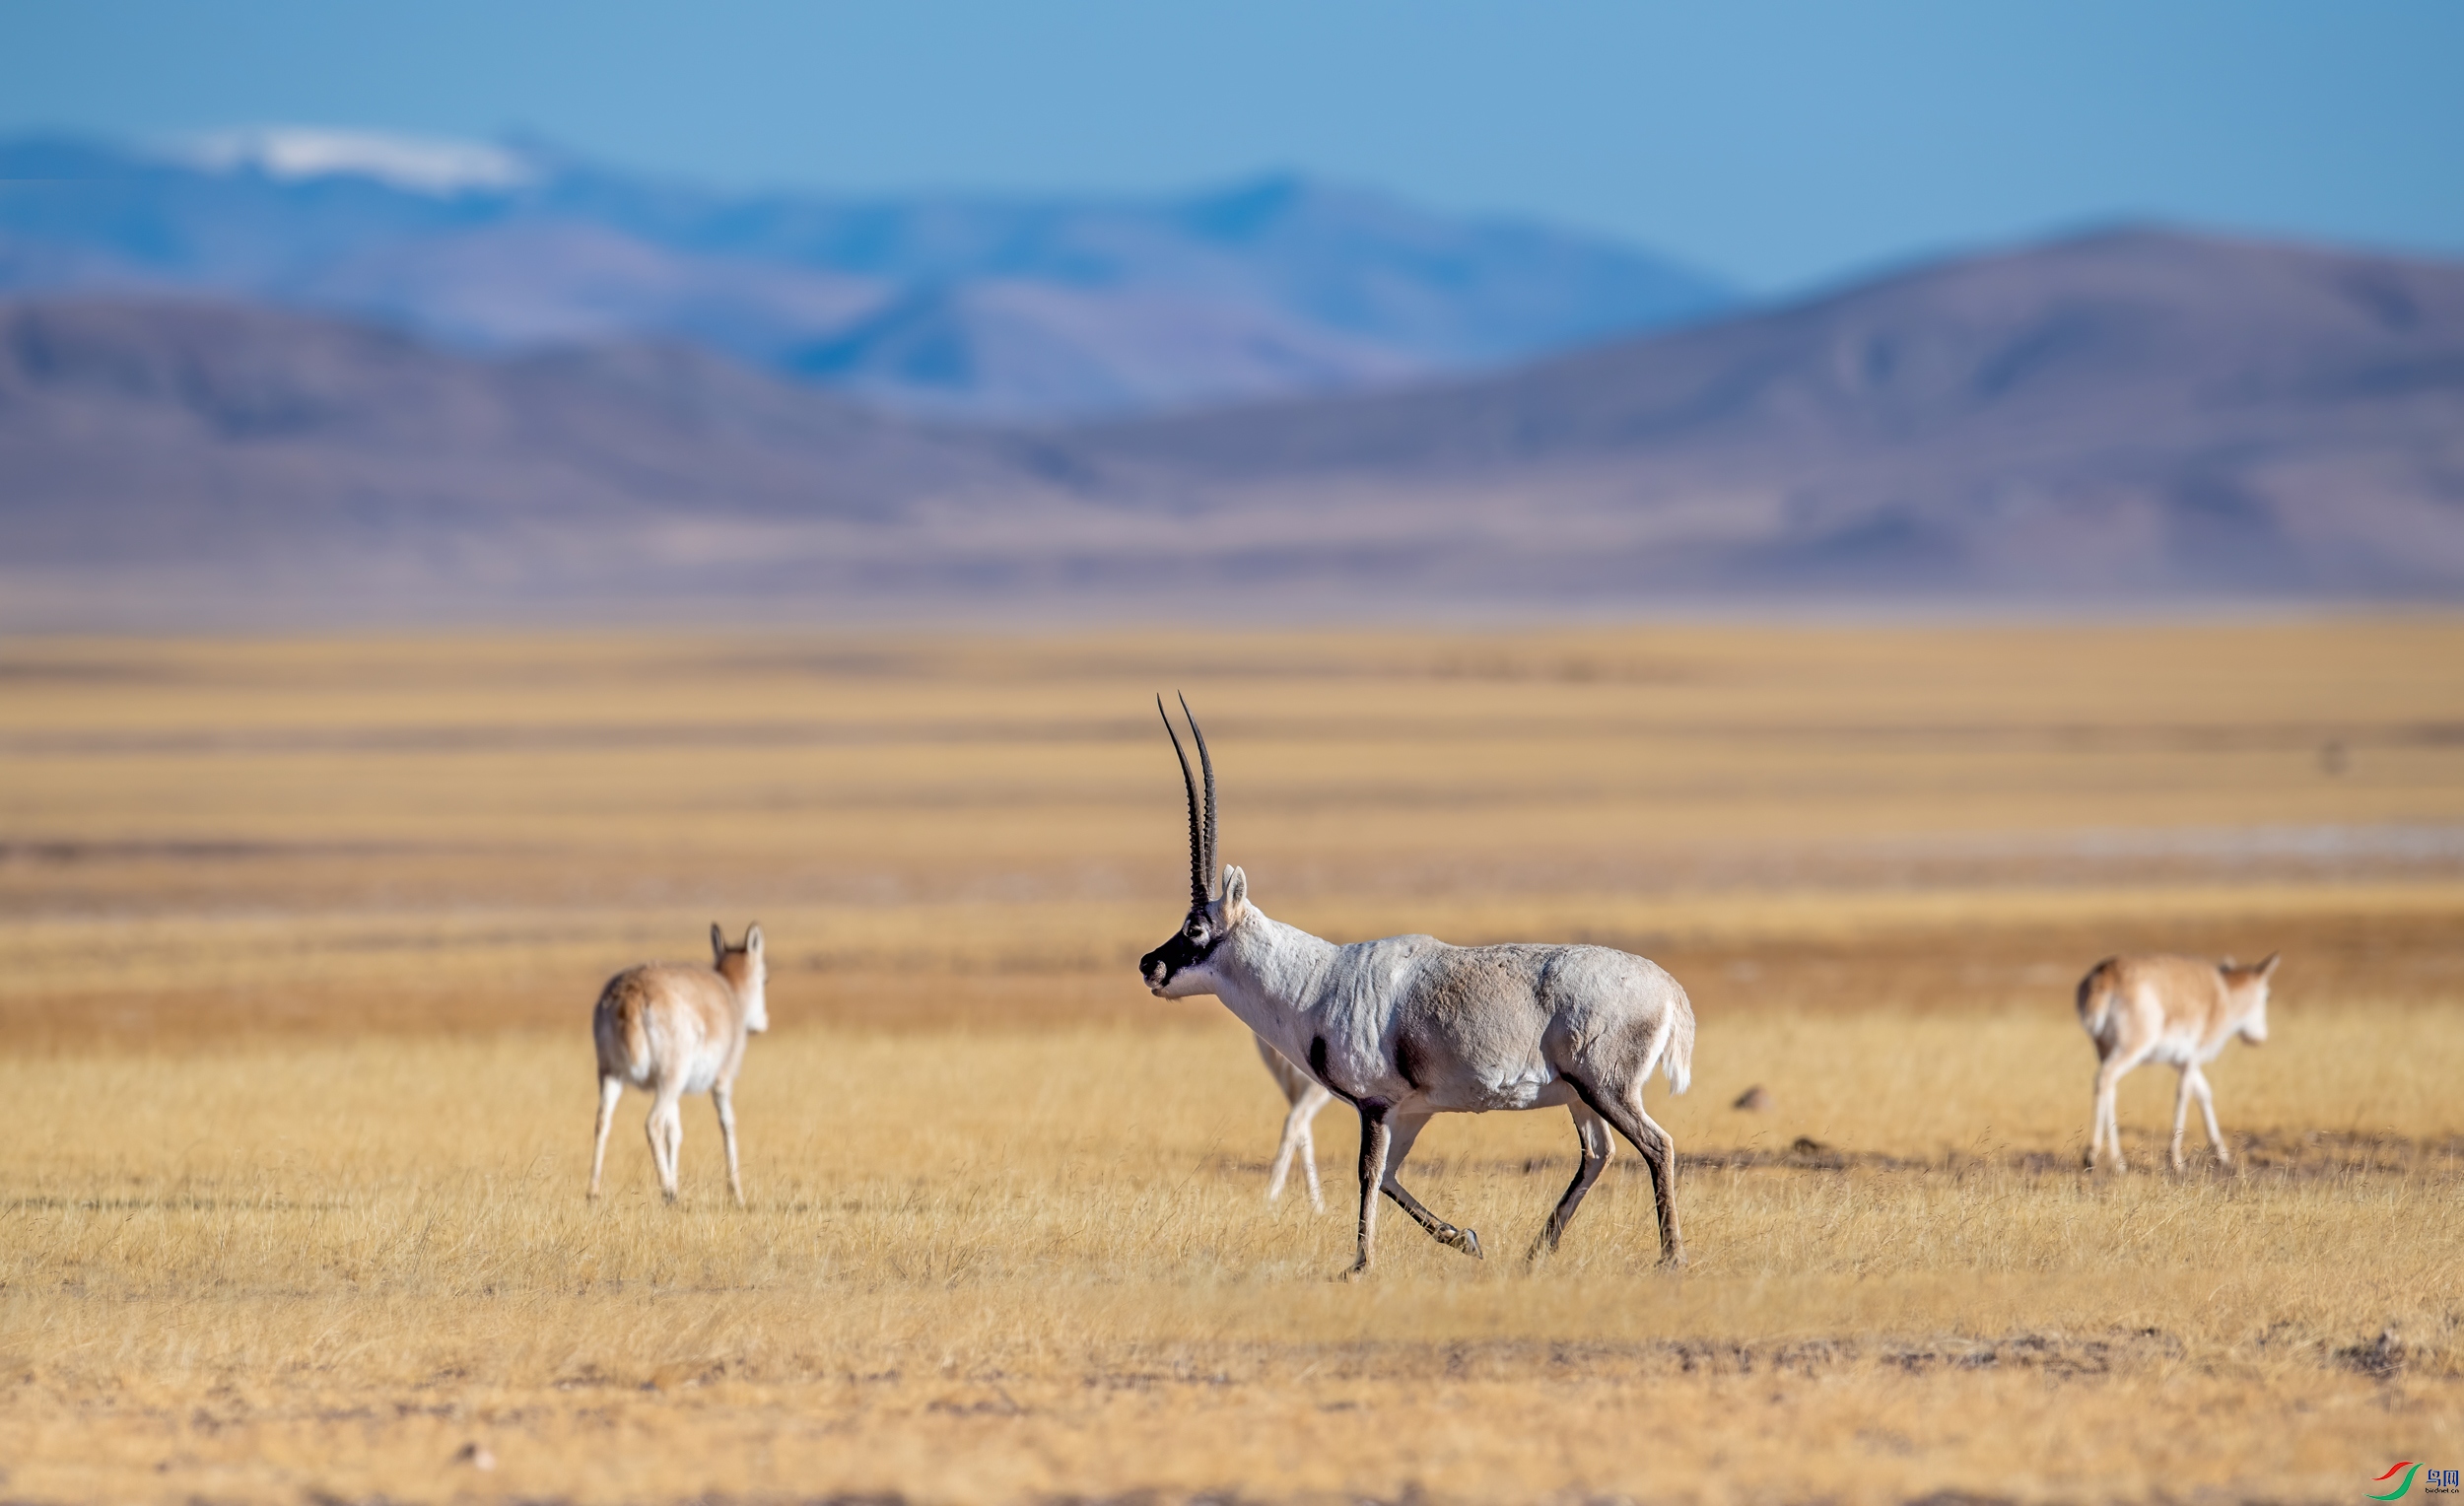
1306	1096
674	1030
2178	1010
1408	1028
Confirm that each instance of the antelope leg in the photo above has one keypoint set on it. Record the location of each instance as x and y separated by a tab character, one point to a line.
2207	1110
2181	1113
1591	1133
1374	1136
665	1129
1318	1099
1407	1128
2108	1116
610	1089
726	1105
1296	1135
1659	1153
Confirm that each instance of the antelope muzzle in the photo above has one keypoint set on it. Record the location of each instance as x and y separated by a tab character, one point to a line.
1160	966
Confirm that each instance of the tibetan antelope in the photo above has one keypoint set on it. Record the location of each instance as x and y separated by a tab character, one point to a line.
1408	1028
2178	1010
1306	1096
676	1029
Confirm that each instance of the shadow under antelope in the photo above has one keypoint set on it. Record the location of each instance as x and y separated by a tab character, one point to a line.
676	1029
2178	1010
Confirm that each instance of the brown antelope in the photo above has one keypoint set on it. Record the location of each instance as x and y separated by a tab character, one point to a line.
1408	1028
677	1029
2178	1010
1306	1096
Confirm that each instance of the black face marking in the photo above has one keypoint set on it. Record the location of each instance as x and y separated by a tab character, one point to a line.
1189	946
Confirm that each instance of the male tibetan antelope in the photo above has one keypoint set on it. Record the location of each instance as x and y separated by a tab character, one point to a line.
1408	1028
2178	1010
676	1029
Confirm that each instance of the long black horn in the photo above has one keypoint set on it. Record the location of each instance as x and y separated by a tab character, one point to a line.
1214	860
1189	783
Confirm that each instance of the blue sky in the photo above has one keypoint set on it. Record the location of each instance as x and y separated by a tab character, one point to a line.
1782	145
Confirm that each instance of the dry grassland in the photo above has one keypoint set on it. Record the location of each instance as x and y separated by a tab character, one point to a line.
297	939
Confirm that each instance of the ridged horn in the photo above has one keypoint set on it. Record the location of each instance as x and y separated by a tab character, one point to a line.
1213	865
1188	783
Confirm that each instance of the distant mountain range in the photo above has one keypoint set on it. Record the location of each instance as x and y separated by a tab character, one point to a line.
2136	414
2124	421
971	308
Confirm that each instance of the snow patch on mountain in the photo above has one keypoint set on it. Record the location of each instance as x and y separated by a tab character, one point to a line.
431	165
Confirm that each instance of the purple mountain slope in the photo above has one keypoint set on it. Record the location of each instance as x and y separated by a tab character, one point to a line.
2132	411
962	307
2125	421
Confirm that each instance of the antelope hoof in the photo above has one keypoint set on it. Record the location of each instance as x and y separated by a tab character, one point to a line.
1674	1260
1359	1270
1469	1242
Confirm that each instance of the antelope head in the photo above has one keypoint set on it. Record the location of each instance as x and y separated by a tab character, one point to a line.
1181	966
746	972
2247	985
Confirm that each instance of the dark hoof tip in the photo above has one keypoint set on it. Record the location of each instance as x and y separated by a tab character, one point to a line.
1469	1244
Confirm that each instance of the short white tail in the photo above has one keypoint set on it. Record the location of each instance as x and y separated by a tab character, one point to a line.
1678	1065
636	1057
2095	996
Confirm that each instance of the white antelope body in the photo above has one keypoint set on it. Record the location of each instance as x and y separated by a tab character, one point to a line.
675	1029
1306	1098
1408	1028
2178	1010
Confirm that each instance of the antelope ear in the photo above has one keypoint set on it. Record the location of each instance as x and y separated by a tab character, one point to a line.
1235	895
753	940
717	942
2268	962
